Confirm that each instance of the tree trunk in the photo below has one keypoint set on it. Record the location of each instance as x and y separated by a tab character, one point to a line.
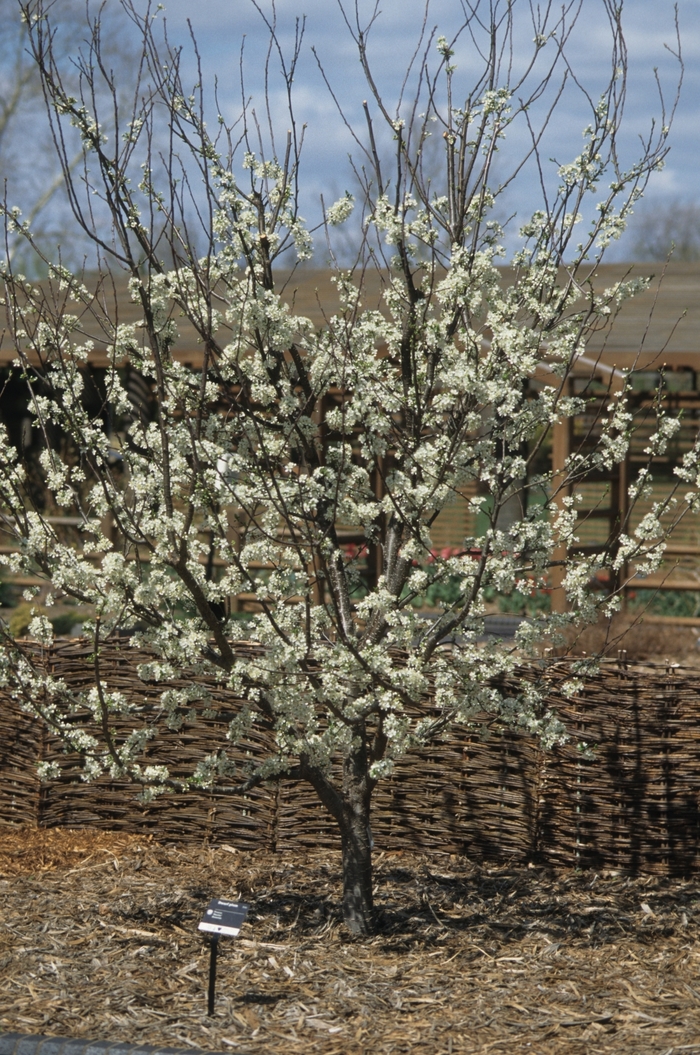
356	839
349	806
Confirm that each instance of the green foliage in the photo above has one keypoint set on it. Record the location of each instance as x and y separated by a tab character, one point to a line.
64	623
23	614
678	603
442	592
22	617
446	591
517	603
8	594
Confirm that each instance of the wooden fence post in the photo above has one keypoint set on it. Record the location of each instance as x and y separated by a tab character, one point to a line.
561	449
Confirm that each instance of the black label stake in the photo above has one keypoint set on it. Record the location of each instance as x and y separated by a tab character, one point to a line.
221	917
214	948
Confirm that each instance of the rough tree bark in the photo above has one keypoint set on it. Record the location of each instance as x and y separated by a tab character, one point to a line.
349	805
356	839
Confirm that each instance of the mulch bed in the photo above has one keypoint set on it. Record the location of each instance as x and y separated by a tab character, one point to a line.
98	939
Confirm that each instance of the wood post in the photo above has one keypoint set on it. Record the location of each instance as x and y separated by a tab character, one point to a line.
561	449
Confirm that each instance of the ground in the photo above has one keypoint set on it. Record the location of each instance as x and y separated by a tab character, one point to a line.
98	938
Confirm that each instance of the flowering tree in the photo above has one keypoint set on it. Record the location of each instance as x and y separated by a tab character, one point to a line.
248	471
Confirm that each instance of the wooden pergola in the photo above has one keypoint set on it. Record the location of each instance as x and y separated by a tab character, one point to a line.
658	330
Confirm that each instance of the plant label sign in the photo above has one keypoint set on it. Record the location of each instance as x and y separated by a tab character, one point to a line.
224	917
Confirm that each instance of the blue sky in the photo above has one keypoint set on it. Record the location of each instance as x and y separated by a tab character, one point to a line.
220	26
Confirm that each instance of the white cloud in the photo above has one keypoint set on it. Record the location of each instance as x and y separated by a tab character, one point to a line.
220	24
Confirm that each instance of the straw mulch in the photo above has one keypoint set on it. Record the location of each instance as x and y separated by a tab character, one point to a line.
98	939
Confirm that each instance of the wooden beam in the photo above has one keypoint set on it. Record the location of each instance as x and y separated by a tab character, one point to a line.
561	449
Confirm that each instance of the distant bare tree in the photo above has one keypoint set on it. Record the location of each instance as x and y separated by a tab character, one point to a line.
670	229
31	177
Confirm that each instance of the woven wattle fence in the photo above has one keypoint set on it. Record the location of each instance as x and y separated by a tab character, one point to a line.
634	806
